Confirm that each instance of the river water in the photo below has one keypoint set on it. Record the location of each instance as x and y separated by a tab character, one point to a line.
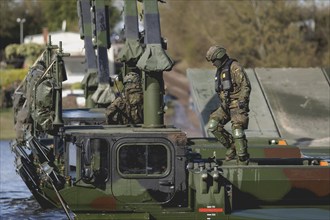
16	201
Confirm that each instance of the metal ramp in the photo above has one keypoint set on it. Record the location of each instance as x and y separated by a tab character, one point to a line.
300	101
292	103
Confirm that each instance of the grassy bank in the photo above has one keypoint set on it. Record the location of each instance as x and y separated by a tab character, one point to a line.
6	124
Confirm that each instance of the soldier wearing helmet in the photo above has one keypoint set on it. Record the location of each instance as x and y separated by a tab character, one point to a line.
233	88
127	108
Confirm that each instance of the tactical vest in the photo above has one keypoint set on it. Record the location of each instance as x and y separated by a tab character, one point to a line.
223	77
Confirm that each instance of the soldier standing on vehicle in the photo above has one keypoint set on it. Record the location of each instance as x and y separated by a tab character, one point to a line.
128	107
233	88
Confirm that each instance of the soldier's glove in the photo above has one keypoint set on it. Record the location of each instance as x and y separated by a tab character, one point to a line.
241	105
226	96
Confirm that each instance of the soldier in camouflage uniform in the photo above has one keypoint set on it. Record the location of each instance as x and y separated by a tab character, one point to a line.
127	108
23	100
233	88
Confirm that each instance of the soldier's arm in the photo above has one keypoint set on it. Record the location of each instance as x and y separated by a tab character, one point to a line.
111	112
242	80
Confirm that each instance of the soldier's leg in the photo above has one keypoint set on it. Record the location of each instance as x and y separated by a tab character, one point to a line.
240	121
241	145
216	126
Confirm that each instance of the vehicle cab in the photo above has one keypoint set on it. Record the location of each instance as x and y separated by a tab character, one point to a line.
126	165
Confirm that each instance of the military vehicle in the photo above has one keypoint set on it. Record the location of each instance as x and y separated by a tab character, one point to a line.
71	159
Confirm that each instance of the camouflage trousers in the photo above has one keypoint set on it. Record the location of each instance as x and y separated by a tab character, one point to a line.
235	142
239	117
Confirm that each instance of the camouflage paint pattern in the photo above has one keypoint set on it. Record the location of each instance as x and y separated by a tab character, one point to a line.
104	95
90	80
153	62
101	40
132	49
196	183
199	182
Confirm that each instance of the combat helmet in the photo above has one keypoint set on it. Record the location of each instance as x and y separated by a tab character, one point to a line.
215	52
132	82
132	77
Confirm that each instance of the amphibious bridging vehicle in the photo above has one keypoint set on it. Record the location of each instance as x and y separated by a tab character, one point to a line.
72	159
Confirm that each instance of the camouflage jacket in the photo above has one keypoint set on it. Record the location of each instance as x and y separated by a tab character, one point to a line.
240	86
127	109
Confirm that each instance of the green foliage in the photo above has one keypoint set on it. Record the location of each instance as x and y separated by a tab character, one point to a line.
11	51
39	14
10	11
30	50
10	76
67	10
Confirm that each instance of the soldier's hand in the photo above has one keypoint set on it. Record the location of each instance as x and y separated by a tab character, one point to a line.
241	104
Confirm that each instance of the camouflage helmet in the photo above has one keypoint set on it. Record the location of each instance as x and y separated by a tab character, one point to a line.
215	52
132	77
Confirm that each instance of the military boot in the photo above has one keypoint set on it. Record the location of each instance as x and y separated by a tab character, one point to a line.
231	152
226	139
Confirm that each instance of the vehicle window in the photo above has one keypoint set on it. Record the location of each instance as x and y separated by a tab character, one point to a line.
99	148
143	159
95	160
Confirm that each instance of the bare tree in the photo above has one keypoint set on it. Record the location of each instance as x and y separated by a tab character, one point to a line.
258	33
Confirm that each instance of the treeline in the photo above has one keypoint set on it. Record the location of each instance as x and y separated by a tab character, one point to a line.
39	14
272	33
258	33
